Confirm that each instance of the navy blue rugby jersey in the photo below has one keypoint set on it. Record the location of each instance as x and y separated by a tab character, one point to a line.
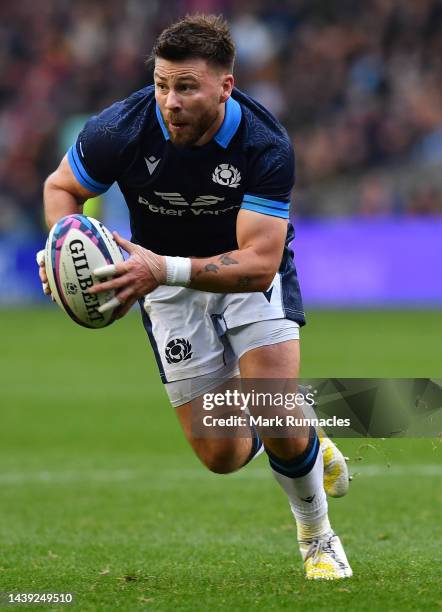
185	200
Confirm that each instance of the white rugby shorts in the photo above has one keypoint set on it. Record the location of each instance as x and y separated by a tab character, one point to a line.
198	336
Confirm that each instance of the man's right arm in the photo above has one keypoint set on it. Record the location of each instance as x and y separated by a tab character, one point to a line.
63	195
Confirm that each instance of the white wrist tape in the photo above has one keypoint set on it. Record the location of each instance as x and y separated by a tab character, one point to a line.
178	271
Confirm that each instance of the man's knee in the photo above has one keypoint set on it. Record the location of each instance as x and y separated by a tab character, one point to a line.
225	458
219	464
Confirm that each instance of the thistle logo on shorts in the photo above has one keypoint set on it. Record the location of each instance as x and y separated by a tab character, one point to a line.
178	350
226	175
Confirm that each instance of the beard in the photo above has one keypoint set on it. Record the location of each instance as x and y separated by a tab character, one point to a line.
193	131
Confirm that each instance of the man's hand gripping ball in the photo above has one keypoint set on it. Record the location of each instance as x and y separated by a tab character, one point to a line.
140	274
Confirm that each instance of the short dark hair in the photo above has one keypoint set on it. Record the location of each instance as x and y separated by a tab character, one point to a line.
197	36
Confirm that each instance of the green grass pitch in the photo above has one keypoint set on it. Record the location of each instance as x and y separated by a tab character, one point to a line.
101	496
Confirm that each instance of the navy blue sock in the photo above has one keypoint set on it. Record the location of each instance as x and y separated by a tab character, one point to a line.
300	465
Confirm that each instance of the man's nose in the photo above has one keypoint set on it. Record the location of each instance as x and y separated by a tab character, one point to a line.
173	101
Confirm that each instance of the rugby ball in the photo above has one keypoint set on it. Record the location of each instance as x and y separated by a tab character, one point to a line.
76	246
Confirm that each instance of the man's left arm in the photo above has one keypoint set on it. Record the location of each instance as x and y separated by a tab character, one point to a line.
252	266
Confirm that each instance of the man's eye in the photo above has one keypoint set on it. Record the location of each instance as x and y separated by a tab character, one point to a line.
161	86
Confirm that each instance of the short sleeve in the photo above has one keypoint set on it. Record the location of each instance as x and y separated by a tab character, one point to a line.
272	176
94	157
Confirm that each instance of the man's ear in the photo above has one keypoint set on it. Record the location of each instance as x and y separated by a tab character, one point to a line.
227	86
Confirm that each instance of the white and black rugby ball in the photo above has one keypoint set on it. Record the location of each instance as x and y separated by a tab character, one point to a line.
76	246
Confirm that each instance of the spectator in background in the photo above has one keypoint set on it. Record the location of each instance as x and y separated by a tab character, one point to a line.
377	198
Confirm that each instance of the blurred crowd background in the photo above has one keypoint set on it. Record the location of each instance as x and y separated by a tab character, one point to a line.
357	84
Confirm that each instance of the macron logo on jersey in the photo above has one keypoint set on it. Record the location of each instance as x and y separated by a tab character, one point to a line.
151	164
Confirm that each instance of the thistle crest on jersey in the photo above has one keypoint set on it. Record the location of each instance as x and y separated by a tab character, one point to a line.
226	175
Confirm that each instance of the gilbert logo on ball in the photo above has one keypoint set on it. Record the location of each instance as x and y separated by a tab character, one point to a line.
226	175
76	246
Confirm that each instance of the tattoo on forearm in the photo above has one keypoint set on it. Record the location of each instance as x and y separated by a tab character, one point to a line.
226	260
211	267
244	282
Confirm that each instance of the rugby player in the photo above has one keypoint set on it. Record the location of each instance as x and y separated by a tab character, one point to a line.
207	173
